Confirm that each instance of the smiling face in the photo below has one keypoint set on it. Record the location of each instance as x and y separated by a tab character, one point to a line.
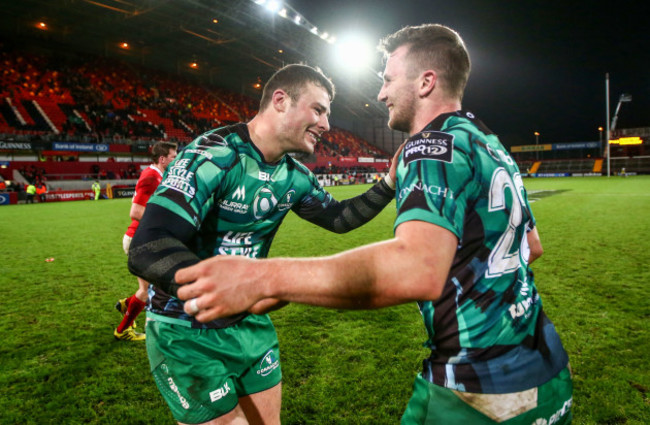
305	119
399	91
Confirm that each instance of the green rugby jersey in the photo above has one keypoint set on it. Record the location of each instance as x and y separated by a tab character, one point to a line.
487	332
235	202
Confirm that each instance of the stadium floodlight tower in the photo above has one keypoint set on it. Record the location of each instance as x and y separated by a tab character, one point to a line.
623	98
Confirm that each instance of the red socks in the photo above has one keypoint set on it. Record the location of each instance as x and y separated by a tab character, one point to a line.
134	307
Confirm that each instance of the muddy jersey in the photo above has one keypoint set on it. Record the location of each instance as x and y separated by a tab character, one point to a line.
487	332
235	201
144	188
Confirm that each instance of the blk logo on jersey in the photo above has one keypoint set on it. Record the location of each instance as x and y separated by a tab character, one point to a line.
264	176
219	393
433	145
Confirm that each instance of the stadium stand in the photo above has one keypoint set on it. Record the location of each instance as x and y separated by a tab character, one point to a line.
49	101
525	166
586	166
100	100
566	166
639	164
77	170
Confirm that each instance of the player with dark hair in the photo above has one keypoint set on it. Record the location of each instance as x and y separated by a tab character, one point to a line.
464	238
226	195
162	154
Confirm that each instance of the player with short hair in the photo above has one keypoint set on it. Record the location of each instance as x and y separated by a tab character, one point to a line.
464	238
226	195
162	154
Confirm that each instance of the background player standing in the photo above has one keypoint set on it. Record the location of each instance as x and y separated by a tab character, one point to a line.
162	153
97	189
464	238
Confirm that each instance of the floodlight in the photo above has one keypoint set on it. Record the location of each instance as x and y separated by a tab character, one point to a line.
354	52
273	6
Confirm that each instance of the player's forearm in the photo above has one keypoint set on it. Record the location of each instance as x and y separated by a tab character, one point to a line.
137	211
407	268
373	276
341	217
535	245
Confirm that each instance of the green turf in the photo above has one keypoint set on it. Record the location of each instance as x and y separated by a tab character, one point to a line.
59	362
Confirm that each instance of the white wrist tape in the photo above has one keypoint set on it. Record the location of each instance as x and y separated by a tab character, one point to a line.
389	181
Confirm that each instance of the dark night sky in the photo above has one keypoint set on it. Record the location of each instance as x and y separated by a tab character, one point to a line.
536	65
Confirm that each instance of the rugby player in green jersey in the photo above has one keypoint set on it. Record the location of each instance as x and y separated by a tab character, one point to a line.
225	195
464	238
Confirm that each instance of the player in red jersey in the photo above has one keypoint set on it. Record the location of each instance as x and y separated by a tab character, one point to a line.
162	153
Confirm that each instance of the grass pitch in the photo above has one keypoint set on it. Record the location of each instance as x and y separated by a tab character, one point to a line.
59	362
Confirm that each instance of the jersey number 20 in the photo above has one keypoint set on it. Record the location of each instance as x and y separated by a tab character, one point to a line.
501	260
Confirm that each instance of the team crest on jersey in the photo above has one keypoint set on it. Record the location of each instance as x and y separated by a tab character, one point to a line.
265	201
287	201
433	145
268	364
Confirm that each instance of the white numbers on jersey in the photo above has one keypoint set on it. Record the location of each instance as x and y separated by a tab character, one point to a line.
501	260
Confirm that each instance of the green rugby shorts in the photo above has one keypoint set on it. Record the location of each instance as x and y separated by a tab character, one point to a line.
548	404
201	373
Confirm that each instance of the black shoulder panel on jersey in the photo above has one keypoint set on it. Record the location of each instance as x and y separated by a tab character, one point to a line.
216	137
159	248
341	217
440	120
477	122
294	164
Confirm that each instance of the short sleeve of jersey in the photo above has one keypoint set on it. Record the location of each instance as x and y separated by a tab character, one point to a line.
533	222
191	182
434	180
146	187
